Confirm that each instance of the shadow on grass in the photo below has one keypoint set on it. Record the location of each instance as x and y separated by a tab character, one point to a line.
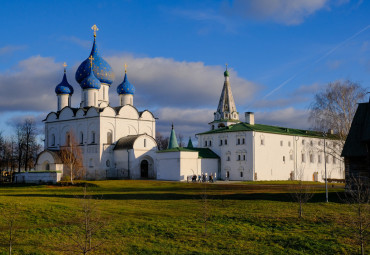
278	197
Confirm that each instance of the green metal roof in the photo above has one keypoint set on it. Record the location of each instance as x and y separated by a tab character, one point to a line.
359	133
173	140
240	127
202	152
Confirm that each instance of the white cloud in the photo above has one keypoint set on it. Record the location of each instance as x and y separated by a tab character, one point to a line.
163	82
288	12
288	117
77	41
11	48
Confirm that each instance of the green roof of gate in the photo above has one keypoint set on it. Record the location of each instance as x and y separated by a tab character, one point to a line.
202	152
240	127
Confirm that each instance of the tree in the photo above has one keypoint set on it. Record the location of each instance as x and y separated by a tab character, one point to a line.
84	228
301	192
334	108
162	142
180	138
71	157
358	197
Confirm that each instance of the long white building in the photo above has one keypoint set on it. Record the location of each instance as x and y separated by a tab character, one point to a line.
250	151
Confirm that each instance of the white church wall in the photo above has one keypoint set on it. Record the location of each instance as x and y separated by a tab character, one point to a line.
128	112
208	166
168	166
66	114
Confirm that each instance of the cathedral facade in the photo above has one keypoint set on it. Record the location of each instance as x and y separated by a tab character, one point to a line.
115	142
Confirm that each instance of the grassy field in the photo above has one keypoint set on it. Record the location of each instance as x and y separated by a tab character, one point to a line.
153	217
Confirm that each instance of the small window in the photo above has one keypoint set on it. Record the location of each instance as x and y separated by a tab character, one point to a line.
319	159
210	143
291	156
205	143
289	144
311	158
284	159
281	143
220	142
47	166
109	138
241	174
92	137
319	143
213	127
243	157
334	160
238	157
327	159
262	142
243	141
302	142
81	138
225	142
238	141
144	142
227	174
311	143
228	158
107	163
303	158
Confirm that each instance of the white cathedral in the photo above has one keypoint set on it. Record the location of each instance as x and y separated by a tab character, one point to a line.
118	142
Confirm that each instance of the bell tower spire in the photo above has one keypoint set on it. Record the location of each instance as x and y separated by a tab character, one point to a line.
226	113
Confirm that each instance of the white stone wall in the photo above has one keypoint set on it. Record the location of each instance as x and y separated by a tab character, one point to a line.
37	177
178	165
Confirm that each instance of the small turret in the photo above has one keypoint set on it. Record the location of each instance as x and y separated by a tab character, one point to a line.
64	91
172	143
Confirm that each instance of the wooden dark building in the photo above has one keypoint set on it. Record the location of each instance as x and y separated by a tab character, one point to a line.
356	150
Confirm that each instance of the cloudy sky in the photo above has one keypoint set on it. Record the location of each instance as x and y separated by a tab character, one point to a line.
279	52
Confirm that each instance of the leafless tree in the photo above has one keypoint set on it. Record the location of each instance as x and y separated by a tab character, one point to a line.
334	108
357	196
10	217
300	192
162	142
205	208
180	138
71	157
85	227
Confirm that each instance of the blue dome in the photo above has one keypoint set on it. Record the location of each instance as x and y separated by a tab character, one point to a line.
64	87
102	70
125	87
90	82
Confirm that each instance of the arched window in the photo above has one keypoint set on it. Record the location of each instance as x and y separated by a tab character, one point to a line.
210	143
109	138
52	140
68	139
92	137
81	137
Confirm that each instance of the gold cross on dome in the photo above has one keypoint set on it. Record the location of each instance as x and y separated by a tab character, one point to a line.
94	28
65	65
226	65
125	68
91	60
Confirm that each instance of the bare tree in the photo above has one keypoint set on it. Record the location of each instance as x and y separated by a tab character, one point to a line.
300	192
10	216
180	138
162	142
205	208
85	227
71	157
334	108
358	197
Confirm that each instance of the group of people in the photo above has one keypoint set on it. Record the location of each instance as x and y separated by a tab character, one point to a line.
200	178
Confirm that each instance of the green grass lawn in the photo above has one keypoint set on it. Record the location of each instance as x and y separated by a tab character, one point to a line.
154	217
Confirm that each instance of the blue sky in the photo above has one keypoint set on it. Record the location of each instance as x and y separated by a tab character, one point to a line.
280	52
